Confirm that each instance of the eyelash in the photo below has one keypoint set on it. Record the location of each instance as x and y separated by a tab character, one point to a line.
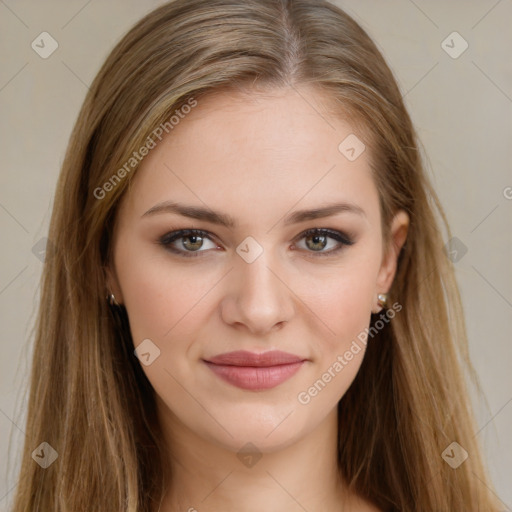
171	237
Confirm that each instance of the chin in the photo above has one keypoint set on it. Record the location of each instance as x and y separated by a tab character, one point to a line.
268	429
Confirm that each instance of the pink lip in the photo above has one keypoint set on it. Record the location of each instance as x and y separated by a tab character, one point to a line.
248	370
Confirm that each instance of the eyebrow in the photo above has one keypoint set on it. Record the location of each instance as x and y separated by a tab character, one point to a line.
223	219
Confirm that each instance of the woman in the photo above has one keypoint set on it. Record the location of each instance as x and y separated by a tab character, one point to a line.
247	305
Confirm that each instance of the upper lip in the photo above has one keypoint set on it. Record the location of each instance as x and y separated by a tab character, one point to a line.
245	358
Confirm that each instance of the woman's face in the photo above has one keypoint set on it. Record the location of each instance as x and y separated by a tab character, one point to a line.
253	177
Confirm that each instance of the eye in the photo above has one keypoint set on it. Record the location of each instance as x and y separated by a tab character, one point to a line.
316	240
187	242
191	242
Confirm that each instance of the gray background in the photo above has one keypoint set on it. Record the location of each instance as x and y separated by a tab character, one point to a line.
462	108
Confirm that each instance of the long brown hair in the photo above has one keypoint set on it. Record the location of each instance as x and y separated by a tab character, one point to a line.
89	399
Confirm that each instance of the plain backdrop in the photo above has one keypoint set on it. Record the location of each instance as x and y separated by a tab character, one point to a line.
461	105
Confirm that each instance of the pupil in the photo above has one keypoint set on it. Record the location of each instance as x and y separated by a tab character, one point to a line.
318	239
196	242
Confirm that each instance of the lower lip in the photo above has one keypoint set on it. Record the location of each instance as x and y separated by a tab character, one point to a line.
255	378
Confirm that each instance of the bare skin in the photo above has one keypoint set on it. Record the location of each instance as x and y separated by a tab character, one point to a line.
258	161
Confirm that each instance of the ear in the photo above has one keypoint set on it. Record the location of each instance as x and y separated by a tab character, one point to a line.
387	271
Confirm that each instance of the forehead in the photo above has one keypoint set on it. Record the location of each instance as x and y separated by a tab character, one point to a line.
249	151
281	121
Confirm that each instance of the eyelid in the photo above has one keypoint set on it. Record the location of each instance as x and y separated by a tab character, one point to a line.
332	233
170	237
344	240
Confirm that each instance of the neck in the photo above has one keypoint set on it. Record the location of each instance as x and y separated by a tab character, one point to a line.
207	477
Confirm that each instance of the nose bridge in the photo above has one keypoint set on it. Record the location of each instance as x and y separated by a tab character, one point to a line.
258	297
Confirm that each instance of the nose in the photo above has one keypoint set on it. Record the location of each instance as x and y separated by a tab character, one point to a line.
258	298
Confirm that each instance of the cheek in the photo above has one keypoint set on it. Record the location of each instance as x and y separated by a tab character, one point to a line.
341	300
165	305
162	300
345	299
342	304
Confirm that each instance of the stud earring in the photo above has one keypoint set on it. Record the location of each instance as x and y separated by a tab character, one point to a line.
382	299
112	300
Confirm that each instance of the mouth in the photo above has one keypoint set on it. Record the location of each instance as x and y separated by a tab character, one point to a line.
255	372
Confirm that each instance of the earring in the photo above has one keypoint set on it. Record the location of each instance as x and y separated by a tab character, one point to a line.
112	300
382	299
